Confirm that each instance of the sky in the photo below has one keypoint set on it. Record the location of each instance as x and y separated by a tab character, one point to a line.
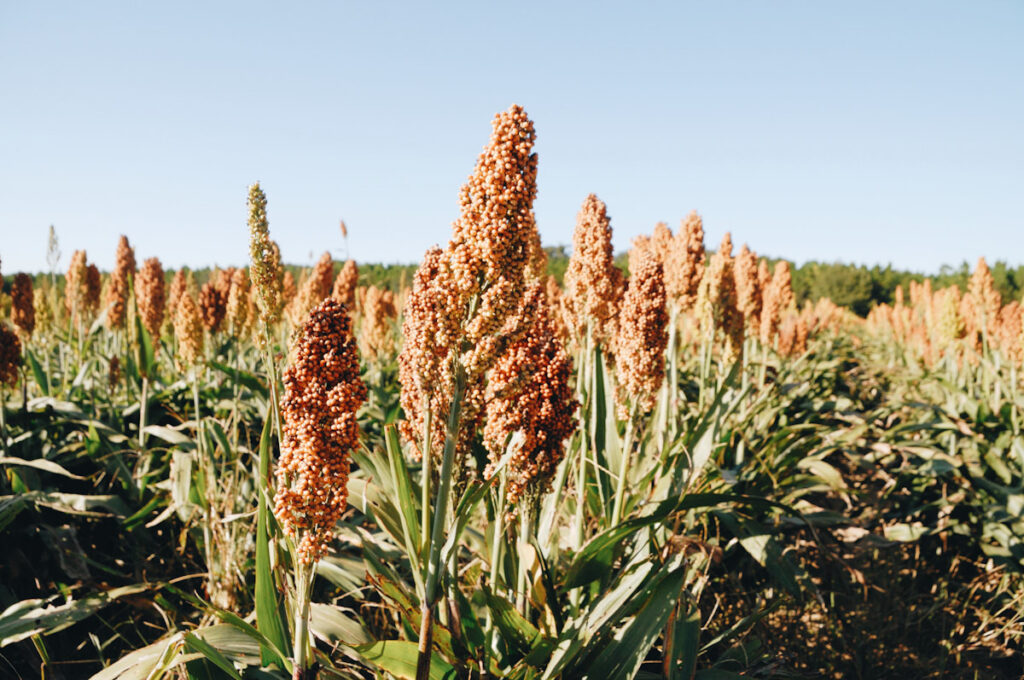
865	132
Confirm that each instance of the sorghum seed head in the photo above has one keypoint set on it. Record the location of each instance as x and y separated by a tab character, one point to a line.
149	295
188	330
642	333
592	289
10	355
528	391
23	311
322	393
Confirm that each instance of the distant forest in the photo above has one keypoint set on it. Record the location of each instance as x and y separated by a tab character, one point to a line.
856	287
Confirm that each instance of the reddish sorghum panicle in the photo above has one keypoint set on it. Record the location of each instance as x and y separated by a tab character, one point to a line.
212	306
322	392
149	295
23	311
117	294
528	391
10	355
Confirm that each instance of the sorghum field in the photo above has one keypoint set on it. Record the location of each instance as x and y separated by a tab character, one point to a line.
663	470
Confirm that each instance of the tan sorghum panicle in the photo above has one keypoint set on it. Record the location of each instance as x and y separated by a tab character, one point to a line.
149	295
76	288
429	331
537	260
591	286
643	334
556	308
322	392
289	289
344	229
764	277
784	284
1011	342
10	355
987	299
45	317
188	330
223	282
793	335
323	277
266	270
661	242
748	288
476	285
212	306
684	267
528	391
642	247
972	319
949	327
344	290
716	306
178	288
117	294
800	344
776	298
23	310
377	336
237	310
315	290
494	237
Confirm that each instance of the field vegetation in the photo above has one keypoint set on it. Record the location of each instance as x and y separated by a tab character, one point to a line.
511	461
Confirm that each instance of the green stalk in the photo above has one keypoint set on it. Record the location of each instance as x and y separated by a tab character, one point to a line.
627	444
425	491
143	402
496	556
525	531
437	530
301	646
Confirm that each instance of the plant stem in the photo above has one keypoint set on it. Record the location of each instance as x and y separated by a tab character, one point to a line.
143	401
620	489
300	647
437	530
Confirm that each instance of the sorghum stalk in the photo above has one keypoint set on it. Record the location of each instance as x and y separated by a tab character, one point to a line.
437	530
627	445
496	545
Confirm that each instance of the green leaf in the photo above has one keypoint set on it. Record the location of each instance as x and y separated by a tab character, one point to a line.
268	612
621	656
39	464
332	625
197	644
24	619
37	372
685	640
398	657
244	378
522	635
143	663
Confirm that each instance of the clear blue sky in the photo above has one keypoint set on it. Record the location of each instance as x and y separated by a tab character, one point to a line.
870	132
